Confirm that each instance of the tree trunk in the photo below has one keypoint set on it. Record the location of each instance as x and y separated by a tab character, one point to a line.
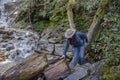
70	13
31	67
95	26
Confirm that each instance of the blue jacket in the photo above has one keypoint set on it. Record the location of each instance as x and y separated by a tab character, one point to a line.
81	40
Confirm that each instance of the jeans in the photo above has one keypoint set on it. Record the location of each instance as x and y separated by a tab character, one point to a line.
79	52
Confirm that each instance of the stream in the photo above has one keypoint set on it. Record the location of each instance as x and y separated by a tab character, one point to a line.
15	44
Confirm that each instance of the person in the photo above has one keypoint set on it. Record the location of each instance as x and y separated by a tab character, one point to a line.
78	40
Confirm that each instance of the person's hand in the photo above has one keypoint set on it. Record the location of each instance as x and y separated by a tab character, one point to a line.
62	57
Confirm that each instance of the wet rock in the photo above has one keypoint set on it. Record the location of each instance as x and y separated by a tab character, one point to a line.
46	33
48	47
10	6
7	35
2	57
37	48
52	59
95	71
43	41
57	31
53	40
78	73
2	50
57	71
5	66
4	45
6	32
10	54
31	67
41	77
2	27
10	47
59	49
18	59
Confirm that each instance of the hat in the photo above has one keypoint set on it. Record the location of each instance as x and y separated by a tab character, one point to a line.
69	33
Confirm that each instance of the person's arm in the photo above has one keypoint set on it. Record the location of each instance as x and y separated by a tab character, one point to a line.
83	36
66	48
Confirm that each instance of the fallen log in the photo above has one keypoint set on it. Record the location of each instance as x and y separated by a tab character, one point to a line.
31	67
58	71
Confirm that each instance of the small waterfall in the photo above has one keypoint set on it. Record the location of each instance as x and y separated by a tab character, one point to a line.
15	44
5	20
3	13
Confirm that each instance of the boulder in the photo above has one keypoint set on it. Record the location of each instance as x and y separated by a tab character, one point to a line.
95	71
78	73
59	49
58	71
4	67
48	47
31	67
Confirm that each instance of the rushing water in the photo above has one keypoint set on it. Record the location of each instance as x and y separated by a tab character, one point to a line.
3	13
16	44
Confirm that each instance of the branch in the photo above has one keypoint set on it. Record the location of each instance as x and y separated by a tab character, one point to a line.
95	26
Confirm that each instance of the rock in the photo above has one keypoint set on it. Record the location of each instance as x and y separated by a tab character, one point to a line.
10	47
43	41
53	40
37	48
18	1
31	67
53	35
59	49
2	57
78	73
10	6
41	77
95	71
48	47
70	55
6	32
52	59
5	36
57	71
45	45
18	59
46	33
2	27
5	67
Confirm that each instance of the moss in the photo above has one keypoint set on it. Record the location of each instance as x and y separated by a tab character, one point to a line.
20	24
110	73
23	77
41	25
